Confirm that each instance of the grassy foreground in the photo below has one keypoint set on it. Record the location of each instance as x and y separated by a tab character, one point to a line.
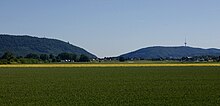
110	86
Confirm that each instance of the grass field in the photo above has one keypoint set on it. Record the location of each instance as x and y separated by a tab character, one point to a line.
110	86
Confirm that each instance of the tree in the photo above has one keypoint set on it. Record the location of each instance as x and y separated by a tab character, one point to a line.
51	56
8	56
44	57
121	59
67	56
83	58
32	56
218	59
73	56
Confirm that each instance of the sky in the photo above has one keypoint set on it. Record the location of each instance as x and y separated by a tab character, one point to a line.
114	27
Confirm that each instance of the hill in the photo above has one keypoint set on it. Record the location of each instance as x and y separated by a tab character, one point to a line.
170	52
23	45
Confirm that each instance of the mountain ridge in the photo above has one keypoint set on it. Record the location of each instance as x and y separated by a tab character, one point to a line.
170	52
21	45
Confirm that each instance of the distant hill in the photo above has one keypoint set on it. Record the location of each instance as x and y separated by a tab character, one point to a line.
23	45
170	52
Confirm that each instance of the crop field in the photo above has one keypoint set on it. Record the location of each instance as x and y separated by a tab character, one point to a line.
109	65
110	85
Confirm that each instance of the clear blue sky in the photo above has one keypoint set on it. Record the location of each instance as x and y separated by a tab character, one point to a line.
113	27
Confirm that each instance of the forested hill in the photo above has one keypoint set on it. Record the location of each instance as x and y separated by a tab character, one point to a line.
23	45
170	52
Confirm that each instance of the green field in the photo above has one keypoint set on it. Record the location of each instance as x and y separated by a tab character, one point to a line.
110	86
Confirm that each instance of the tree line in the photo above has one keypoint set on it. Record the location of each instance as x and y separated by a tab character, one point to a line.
205	58
10	58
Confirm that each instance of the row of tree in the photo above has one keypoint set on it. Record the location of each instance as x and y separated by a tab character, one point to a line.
8	58
205	58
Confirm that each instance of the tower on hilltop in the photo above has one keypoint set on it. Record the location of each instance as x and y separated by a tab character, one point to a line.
185	43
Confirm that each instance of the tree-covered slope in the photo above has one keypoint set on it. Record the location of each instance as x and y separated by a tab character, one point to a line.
170	52
23	45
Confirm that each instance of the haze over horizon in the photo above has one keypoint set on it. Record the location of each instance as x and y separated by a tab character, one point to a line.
114	27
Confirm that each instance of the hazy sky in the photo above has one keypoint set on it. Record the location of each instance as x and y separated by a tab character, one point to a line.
114	27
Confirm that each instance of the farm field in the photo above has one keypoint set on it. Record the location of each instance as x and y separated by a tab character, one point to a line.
109	85
108	65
